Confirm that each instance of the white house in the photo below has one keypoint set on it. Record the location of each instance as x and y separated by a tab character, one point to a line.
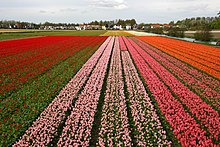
115	27
78	28
103	27
128	27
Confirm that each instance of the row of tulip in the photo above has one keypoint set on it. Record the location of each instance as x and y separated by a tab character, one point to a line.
22	108
187	55
128	116
34	52
10	47
61	50
183	125
25	66
196	49
78	126
143	112
122	43
43	130
192	51
54	57
199	87
206	79
199	109
172	47
114	122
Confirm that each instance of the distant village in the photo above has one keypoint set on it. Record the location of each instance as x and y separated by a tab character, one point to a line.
102	25
197	23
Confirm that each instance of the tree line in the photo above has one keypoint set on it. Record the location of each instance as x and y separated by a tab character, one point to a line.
202	26
12	24
198	23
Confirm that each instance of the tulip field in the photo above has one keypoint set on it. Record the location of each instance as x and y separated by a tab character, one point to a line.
111	90
200	56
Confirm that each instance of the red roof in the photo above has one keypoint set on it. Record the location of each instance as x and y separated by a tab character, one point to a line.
155	25
166	25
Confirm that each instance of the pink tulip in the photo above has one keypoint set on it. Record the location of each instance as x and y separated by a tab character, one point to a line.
165	99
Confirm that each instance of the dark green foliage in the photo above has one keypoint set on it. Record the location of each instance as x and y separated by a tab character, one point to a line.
215	24
176	32
203	35
155	30
199	22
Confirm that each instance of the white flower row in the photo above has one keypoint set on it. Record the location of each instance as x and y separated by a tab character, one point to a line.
114	122
141	33
77	130
149	130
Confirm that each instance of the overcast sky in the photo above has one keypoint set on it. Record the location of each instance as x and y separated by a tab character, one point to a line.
79	11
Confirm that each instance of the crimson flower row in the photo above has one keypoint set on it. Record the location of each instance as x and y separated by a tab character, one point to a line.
37	53
201	110
184	126
143	112
122	43
114	122
45	127
10	47
78	126
35	71
33	63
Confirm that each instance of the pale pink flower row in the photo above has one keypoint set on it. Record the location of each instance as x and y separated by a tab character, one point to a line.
114	122
196	84
78	126
45	127
144	115
184	126
200	109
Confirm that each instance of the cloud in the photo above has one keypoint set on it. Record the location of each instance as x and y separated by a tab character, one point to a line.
146	11
195	8
68	10
42	11
109	4
47	12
